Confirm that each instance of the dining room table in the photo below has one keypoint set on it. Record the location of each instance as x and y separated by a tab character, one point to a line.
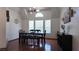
24	37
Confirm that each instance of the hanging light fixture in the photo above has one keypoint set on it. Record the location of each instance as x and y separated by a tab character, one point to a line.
31	10
37	10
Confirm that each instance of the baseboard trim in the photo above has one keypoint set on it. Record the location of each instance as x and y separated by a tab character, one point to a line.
3	49
13	40
50	38
45	38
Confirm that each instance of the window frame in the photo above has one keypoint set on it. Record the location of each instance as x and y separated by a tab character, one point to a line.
43	25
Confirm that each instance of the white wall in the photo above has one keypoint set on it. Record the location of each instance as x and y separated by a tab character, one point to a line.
12	29
55	26
3	40
73	28
24	20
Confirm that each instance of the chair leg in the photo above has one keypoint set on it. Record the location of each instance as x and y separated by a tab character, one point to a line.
22	41
26	42
33	42
38	42
44	43
19	40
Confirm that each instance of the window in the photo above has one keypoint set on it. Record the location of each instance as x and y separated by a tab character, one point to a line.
31	25
41	25
48	26
39	14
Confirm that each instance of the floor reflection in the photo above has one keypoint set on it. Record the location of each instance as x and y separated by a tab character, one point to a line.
51	45
47	47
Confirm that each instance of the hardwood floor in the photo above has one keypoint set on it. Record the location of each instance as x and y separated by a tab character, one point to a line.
51	45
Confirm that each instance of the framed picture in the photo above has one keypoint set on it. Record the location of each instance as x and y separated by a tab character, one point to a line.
7	15
66	19
68	14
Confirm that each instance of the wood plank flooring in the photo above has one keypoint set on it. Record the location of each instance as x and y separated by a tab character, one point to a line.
51	45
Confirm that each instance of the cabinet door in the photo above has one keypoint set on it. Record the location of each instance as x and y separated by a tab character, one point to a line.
67	43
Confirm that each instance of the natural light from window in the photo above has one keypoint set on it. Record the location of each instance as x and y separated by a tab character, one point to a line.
48	26
39	14
31	25
40	25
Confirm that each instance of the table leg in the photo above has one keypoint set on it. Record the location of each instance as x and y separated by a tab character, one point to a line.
38	42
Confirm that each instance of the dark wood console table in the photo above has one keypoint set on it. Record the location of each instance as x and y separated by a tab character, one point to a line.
64	41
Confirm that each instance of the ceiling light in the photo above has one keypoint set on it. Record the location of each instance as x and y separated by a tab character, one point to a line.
37	10
30	8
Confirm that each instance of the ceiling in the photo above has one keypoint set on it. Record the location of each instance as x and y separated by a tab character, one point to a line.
38	8
53	11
